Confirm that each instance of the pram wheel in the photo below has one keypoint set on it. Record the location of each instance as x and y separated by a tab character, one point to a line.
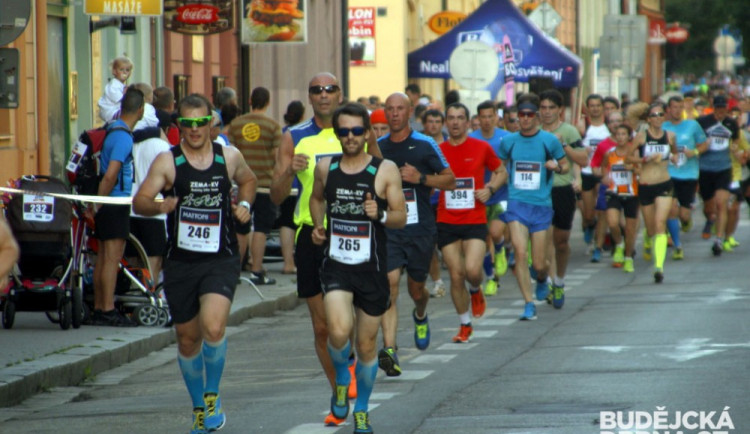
164	319
9	314
66	314
77	307
147	315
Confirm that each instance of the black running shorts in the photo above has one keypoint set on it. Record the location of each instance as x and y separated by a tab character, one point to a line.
186	282
308	257
414	253
684	191
370	289
647	193
564	205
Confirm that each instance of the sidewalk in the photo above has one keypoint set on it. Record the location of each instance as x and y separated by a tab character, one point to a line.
72	364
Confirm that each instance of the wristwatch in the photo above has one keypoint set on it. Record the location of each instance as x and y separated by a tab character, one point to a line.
244	203
422	179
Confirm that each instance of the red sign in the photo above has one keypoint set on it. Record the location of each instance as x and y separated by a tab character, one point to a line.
656	29
677	35
198	17
361	36
197	14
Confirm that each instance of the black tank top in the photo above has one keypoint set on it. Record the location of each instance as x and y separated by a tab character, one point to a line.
201	225
355	242
655	146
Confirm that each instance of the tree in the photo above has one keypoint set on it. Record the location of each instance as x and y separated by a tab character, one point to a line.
704	18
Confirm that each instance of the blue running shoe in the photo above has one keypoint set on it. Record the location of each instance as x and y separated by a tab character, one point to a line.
388	361
340	402
362	423
558	296
588	234
421	331
542	289
199	413
215	417
529	312
597	255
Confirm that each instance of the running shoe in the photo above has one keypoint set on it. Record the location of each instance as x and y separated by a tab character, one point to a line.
727	246
332	420
362	423
478	303
529	312
597	255
198	426
352	393
112	318
490	287
658	275
733	242
542	289
388	361
421	331
215	417
706	234
716	248
464	334
558	296
686	226
340	402
627	266
438	290
261	279
588	234
501	263
618	257
678	254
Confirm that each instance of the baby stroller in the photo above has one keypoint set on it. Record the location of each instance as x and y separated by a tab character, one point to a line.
43	279
135	292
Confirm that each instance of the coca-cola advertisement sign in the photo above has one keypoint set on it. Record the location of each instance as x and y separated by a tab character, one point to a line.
198	17
197	14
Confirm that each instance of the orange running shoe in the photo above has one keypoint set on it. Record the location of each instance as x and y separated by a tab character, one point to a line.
352	394
464	334
478	303
332	420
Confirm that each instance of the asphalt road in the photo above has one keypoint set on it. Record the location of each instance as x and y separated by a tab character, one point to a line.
621	343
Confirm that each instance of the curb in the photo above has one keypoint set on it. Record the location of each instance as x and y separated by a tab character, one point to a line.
73	366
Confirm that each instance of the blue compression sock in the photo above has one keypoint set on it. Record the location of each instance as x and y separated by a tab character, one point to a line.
366	373
673	226
340	359
192	373
489	270
214	355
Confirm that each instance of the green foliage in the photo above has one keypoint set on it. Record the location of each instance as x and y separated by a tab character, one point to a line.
704	19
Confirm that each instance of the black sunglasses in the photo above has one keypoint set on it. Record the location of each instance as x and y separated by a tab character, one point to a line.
317	90
526	114
344	132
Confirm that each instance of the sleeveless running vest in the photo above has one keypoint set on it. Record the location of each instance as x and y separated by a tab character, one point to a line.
355	242
202	224
622	181
324	144
594	135
655	146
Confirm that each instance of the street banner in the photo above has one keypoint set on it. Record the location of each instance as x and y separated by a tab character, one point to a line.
198	17
274	21
361	36
510	72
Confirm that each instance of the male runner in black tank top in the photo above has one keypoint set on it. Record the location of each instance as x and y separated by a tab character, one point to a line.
202	266
363	196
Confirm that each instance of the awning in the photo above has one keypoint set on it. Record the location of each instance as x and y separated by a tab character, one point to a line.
536	54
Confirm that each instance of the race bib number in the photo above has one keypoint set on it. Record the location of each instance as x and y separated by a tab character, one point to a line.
653	149
719	143
463	196
412	213
199	229
38	208
350	241
527	175
681	157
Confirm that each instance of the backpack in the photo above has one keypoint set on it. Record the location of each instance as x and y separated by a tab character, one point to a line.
84	163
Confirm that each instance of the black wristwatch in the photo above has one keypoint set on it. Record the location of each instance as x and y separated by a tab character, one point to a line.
422	179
